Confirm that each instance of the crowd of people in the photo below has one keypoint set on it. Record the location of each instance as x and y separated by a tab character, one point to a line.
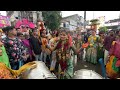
57	49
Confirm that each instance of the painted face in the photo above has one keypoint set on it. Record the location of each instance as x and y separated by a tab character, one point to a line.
24	28
63	36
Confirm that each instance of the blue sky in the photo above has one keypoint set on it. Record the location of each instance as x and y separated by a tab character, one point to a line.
90	14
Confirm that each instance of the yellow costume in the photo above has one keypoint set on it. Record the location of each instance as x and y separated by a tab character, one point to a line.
7	73
110	70
91	54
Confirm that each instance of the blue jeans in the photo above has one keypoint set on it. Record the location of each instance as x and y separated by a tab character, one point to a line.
16	65
21	63
43	56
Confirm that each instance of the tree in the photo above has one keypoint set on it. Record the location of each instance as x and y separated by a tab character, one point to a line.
52	19
104	29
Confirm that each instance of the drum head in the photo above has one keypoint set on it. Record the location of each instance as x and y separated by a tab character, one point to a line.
86	74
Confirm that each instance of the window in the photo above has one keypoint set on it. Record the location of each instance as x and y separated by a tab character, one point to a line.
67	25
64	25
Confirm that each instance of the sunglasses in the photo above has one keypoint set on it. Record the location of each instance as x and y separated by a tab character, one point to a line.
24	27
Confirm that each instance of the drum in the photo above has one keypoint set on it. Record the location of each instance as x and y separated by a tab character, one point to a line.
40	72
86	74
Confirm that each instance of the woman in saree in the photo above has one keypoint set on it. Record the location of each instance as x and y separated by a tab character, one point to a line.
113	64
64	63
4	57
91	54
27	44
79	44
52	43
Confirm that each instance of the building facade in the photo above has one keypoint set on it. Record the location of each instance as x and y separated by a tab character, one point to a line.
113	24
32	16
72	22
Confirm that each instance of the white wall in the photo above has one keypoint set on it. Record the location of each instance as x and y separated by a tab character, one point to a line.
34	16
15	14
73	25
72	28
72	22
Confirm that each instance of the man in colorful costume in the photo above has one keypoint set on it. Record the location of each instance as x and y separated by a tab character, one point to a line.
91	55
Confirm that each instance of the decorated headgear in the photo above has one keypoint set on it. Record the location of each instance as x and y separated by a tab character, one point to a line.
24	23
41	24
54	33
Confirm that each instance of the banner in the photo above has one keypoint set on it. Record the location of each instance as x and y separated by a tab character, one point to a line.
4	21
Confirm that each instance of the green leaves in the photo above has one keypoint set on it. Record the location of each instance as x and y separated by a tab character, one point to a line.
52	19
104	29
94	22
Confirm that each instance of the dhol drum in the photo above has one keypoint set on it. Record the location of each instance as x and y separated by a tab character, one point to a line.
40	72
86	74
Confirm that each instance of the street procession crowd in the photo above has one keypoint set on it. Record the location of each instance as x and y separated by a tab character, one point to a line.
20	47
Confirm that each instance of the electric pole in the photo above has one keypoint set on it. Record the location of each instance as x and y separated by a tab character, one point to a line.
84	20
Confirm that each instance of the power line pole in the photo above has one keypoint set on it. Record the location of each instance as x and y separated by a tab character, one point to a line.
84	20
93	15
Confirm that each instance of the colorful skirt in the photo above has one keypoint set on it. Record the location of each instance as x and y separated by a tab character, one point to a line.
111	69
68	72
91	55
